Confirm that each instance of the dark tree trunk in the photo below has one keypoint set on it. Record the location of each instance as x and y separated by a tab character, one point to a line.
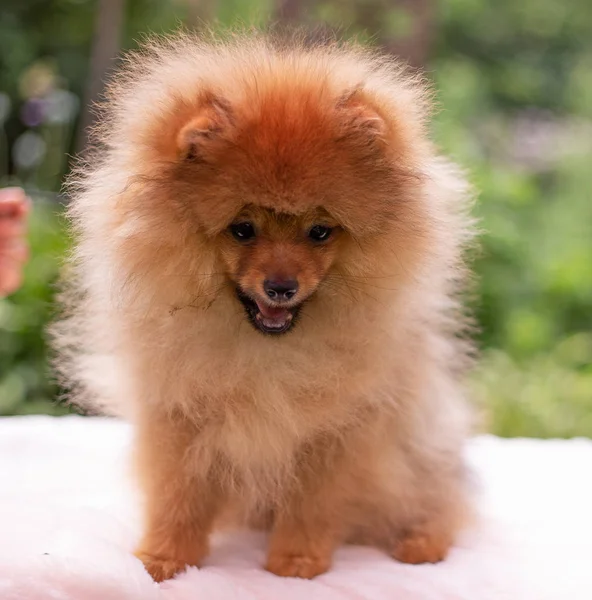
105	47
200	13
416	45
290	11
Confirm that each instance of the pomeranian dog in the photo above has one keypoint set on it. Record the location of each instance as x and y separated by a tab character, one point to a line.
266	281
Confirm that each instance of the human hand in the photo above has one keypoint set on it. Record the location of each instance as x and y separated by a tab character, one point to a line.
14	210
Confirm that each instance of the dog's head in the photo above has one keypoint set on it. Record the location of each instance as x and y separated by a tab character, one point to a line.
294	182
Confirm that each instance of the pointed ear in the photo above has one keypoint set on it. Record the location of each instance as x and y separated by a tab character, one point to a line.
360	117
211	121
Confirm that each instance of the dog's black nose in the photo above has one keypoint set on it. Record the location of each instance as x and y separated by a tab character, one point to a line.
280	290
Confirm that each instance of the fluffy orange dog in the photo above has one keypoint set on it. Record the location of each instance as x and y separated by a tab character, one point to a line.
269	253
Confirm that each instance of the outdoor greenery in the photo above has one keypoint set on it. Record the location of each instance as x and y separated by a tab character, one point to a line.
514	86
25	383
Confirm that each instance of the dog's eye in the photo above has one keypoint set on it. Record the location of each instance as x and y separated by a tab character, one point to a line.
242	231
320	233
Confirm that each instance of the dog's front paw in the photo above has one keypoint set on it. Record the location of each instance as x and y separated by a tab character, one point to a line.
416	548
160	568
295	565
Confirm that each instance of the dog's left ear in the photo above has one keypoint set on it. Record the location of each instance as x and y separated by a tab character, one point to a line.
200	134
360	117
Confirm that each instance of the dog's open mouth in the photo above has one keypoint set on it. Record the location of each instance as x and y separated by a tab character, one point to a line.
266	318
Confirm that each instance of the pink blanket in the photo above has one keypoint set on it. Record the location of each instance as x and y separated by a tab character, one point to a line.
68	520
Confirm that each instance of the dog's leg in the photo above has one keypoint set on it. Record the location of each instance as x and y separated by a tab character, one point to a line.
180	505
309	524
426	534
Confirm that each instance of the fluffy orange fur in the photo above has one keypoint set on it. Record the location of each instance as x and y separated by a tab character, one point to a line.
347	428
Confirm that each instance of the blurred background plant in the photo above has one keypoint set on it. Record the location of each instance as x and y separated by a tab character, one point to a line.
514	85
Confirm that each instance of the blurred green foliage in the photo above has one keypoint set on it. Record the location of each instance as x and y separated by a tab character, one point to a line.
514	87
514	80
25	383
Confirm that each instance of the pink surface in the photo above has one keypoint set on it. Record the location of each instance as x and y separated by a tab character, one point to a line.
69	519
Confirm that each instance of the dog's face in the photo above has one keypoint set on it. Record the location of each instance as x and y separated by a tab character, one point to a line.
276	262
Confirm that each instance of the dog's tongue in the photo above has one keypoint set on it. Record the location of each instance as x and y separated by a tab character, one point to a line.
273	317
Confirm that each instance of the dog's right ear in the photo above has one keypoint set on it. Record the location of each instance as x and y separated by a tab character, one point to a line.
212	120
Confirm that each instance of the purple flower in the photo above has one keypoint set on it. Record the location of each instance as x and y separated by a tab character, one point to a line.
33	112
